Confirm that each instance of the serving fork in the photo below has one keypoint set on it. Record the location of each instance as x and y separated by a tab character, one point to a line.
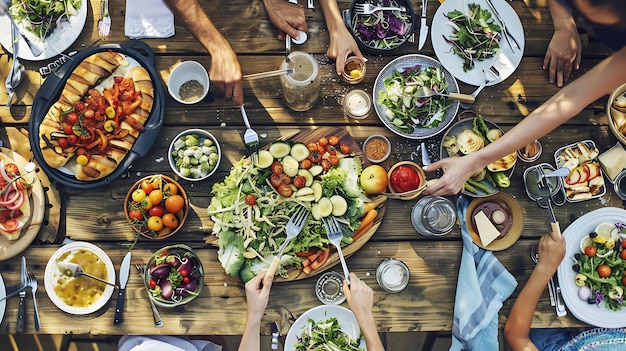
333	231
74	270
505	31
292	229
368	9
31	282
250	137
140	265
104	25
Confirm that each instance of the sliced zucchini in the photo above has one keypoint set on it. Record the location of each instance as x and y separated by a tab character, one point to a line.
304	191
265	159
306	198
318	190
299	151
306	174
316	170
315	211
340	205
280	149
290	166
325	207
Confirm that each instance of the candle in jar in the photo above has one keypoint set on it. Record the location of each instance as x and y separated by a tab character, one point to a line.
357	104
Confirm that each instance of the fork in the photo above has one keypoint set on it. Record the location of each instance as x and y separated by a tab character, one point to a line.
250	138
368	9
545	189
75	270
104	25
477	91
31	281
333	231
140	265
292	229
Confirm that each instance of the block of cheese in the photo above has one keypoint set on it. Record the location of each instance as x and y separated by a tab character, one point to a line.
486	230
613	161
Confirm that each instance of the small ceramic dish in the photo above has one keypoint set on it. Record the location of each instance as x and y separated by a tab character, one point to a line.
376	148
188	82
510	229
194	162
415	191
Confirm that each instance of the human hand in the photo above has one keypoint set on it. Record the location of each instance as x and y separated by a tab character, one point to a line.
258	293
551	251
563	55
341	45
457	171
360	297
225	73
288	18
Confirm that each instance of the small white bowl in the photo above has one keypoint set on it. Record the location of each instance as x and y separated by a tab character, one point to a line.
377	137
202	135
188	71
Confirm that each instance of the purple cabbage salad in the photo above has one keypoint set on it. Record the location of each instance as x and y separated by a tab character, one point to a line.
383	30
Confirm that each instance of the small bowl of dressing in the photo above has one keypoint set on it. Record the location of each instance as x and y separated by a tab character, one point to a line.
376	148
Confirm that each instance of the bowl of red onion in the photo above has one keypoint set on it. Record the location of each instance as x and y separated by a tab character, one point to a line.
381	32
174	276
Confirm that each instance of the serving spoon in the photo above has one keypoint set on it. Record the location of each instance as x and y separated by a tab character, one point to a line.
425	92
75	270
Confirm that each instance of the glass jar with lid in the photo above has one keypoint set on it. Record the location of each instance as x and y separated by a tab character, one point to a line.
301	88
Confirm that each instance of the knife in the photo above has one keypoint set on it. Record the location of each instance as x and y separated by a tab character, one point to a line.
423	27
121	292
21	313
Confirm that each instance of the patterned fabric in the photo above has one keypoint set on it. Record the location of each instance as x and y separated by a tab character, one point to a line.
598	339
482	286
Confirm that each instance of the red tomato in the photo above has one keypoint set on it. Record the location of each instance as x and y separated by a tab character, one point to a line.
306	164
72	117
623	244
62	142
146	186
404	178
183	273
622	254
323	141
299	181
334	160
72	139
157	211
11	168
344	148
79	106
152	283
186	280
277	167
250	199
10	225
68	129
174	203
590	251
333	140
136	214
604	270
331	149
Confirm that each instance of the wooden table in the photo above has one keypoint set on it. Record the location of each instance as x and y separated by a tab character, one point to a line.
96	215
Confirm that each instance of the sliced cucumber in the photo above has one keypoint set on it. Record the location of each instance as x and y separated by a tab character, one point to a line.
280	149
304	191
315	211
340	205
299	151
316	170
265	159
325	207
306	174
290	166
306	198
318	190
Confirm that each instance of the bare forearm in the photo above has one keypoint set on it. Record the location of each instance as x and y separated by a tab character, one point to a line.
332	15
251	339
561	17
370	333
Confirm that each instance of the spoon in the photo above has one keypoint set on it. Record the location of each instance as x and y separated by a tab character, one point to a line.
428	92
74	270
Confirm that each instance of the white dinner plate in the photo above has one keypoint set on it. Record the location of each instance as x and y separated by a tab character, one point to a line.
3	303
505	62
60	39
344	316
599	316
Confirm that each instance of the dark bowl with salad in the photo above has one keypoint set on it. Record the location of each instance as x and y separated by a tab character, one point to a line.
381	32
174	276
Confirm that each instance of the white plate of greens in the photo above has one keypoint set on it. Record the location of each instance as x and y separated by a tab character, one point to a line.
346	321
58	39
505	59
397	103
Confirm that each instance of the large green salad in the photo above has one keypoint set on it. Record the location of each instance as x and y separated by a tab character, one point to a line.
406	108
41	17
326	335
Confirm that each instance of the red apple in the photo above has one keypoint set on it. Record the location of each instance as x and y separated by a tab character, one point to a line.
374	179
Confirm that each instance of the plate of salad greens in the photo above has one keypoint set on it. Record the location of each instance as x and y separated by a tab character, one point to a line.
470	41
397	99
601	268
55	25
325	327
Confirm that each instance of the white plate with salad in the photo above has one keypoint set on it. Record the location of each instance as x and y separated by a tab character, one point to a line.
59	38
597	315
320	315
505	59
397	99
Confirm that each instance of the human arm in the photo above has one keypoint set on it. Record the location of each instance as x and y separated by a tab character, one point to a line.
564	50
257	296
569	101
342	43
288	18
360	299
517	327
225	71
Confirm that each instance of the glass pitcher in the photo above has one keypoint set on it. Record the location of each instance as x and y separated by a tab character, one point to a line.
301	88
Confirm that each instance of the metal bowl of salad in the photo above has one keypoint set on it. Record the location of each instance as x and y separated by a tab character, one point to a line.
381	32
398	101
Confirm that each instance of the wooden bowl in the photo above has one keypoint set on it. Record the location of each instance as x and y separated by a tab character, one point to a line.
141	226
412	195
617	118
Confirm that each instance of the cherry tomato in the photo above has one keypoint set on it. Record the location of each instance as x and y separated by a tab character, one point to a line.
170	189
590	251
79	106
624	281
285	190
174	203
156	196
62	142
275	180
323	141
72	117
138	195
146	204
10	225
170	220
623	244
299	182
250	199
277	167
311	146
186	280
344	148
68	129
89	113
152	284
183	273
285	179
604	270
155	182
135	214
306	164
333	140
326	164
11	168
155	223
334	160
157	211
146	186
622	254
72	139
331	149
315	157
321	149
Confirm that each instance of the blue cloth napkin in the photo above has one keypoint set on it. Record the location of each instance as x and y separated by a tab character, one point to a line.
482	286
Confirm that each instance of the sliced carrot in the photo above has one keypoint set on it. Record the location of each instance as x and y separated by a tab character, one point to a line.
361	231
306	270
368	218
379	200
323	257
